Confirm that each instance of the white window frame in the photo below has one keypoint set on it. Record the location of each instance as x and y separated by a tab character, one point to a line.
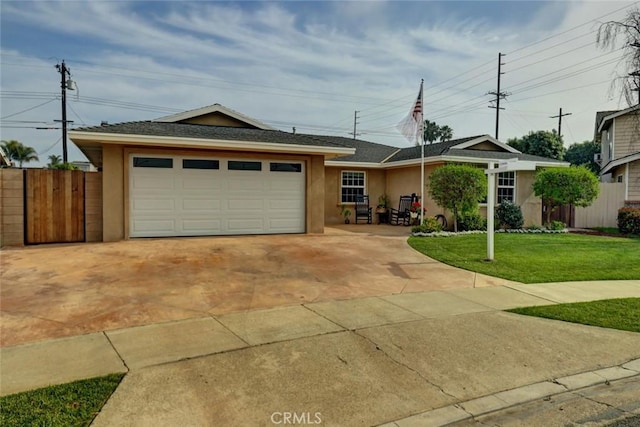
364	185
499	187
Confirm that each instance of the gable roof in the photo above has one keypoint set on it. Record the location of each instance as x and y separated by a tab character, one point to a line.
211	109
187	135
460	149
604	117
366	152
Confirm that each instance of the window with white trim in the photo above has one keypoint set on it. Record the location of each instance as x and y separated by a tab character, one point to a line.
352	184
506	187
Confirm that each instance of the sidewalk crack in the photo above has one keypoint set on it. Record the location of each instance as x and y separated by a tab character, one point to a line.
425	379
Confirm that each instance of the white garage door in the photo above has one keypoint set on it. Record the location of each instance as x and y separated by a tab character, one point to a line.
197	196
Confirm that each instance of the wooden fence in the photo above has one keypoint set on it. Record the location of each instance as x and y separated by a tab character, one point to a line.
603	212
54	206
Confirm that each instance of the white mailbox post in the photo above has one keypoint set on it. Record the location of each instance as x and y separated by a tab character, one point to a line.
509	165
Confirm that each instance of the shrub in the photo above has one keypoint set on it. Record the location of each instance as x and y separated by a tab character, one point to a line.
509	215
429	225
471	221
556	225
629	220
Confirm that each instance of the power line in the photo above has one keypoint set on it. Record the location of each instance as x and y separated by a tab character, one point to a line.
28	109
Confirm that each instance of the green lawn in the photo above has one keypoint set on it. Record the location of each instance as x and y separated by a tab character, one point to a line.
538	258
623	313
72	404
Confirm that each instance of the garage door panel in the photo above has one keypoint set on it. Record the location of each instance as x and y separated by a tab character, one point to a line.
246	225
201	183
201	204
245	184
191	201
197	225
150	225
236	205
154	205
150	182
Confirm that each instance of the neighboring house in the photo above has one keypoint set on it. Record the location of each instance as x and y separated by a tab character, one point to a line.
214	171
84	166
619	135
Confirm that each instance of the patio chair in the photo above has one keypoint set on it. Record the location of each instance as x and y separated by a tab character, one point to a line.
363	211
401	215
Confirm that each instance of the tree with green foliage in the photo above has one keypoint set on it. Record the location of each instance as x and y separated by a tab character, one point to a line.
54	160
541	143
458	188
434	132
19	152
583	154
575	185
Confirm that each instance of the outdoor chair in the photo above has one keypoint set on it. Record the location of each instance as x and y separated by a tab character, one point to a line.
401	215
363	211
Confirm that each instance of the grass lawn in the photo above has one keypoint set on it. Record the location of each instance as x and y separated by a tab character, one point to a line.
623	313
538	258
72	404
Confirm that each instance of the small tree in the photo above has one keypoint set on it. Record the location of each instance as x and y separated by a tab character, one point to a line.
560	186
54	160
540	143
583	155
458	188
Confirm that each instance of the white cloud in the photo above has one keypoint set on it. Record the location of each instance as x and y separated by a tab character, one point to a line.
279	62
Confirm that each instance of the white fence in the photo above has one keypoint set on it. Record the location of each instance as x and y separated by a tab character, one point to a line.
603	212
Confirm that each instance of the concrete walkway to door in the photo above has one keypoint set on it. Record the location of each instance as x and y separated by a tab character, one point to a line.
55	291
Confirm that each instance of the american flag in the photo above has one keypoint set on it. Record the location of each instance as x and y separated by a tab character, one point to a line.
412	125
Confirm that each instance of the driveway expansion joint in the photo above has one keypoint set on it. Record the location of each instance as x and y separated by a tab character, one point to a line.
116	350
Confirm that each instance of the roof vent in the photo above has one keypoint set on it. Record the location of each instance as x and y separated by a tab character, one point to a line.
104	123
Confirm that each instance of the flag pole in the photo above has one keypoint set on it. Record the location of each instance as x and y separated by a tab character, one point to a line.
421	130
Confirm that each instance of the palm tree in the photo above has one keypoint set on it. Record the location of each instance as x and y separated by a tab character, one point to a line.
431	131
446	133
54	160
21	153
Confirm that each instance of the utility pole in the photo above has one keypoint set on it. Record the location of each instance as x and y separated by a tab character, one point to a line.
64	85
355	124
498	94
559	116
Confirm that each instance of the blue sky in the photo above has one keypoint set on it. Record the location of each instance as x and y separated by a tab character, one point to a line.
307	64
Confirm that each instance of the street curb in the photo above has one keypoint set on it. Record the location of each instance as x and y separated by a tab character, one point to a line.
495	402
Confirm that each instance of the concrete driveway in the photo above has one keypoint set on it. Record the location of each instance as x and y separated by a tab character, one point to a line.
56	291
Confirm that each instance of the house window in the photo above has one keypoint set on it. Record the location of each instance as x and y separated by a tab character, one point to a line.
620	178
152	162
286	167
506	187
244	166
200	164
351	185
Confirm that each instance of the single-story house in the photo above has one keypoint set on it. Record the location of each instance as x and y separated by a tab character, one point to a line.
214	171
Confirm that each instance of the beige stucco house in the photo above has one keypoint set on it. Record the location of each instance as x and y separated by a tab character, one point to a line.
619	136
214	171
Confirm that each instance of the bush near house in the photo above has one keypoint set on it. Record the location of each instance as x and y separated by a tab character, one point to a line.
509	215
470	221
629	220
429	225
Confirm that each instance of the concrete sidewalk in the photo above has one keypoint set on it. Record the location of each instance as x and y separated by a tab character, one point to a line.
366	361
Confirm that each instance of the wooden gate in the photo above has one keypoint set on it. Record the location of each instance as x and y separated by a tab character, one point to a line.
54	206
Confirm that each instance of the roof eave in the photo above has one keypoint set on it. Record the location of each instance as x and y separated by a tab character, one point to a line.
78	137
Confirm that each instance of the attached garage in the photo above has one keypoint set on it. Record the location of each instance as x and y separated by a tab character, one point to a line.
196	196
207	172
